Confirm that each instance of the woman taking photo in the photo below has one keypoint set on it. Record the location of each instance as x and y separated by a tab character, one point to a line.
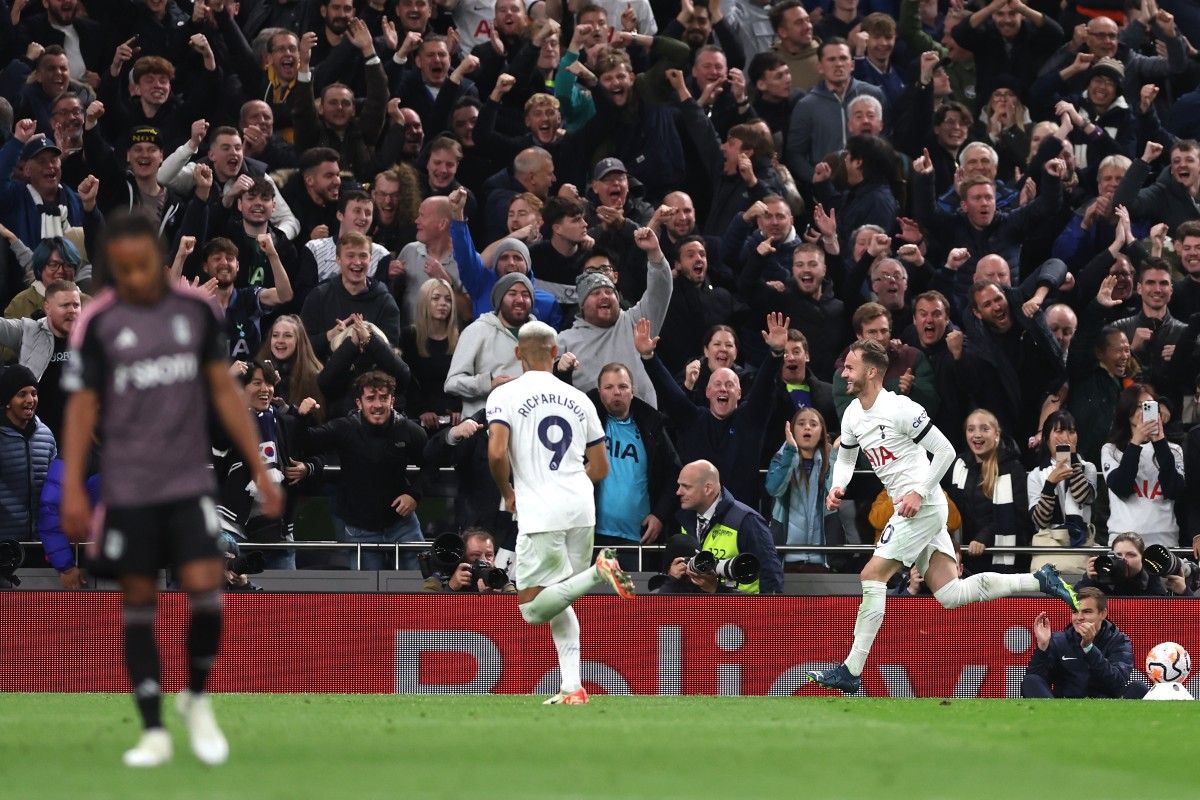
1061	491
987	483
428	345
1123	573
1142	469
798	480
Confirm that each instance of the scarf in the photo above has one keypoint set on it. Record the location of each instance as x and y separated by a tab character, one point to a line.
54	221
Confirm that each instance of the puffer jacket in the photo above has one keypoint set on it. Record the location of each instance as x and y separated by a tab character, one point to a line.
25	458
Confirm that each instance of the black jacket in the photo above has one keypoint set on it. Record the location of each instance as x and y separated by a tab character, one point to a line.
330	302
478	499
662	462
374	462
1103	671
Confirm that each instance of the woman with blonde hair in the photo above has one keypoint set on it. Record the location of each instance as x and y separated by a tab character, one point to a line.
429	345
798	479
987	483
290	351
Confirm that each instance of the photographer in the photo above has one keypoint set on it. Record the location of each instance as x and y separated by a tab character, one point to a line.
479	549
1091	657
1124	573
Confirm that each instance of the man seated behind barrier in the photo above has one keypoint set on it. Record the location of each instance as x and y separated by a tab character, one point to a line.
1091	657
479	545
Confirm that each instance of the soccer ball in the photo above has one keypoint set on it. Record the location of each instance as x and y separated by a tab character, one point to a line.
1168	663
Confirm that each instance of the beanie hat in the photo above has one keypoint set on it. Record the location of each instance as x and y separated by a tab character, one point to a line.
1110	68
510	244
507	282
589	282
13	379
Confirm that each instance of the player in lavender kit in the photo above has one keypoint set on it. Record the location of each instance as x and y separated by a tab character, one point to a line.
894	434
148	360
545	435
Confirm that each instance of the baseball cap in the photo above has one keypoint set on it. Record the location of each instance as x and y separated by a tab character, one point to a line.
37	145
607	165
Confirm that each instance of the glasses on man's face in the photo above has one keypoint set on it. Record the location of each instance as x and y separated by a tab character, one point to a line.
56	265
68	112
889	276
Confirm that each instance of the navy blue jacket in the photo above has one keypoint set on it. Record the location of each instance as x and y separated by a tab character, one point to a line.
1101	672
753	537
25	458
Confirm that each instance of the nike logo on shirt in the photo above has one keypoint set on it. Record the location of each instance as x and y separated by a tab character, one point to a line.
1069	658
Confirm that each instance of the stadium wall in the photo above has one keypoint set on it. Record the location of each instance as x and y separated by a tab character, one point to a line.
382	643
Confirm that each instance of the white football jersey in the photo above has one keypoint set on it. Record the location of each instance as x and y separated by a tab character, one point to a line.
889	435
551	424
473	19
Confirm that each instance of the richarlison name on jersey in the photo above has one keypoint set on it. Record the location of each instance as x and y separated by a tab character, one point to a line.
537	400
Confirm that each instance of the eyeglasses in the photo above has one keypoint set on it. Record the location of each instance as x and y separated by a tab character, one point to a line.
1102	35
889	276
57	265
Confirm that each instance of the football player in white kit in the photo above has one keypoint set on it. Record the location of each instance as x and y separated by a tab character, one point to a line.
894	434
540	431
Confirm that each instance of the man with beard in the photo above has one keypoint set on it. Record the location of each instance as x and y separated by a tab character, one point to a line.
232	174
708	432
807	298
1015	359
44	349
314	196
390	228
148	97
603	332
332	121
679	222
795	45
485	357
701	25
532	171
634	501
696	305
82	40
1154	334
376	499
57	208
351	292
243	308
497	44
337	15
941	341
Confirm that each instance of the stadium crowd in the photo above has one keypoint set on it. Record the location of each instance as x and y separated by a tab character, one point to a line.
377	195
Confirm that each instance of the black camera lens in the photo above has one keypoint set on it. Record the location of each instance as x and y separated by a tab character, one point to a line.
492	577
703	563
249	563
1161	561
742	568
11	555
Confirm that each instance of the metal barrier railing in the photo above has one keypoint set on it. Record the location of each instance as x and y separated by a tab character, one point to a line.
397	547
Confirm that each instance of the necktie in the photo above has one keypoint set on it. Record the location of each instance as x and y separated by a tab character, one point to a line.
701	526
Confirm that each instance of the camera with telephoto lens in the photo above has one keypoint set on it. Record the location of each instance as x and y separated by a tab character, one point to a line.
1110	567
12	554
448	551
1160	561
742	568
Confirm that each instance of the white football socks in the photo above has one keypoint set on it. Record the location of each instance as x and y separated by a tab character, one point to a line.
553	600
565	630
984	586
870	619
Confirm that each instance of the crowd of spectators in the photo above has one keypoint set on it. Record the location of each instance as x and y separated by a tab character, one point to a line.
1005	194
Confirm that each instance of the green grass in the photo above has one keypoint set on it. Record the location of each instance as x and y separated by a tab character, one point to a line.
479	747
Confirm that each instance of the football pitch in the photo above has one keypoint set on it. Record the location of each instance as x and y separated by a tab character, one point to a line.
489	746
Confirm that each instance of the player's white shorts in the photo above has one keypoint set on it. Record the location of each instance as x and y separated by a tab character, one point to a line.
551	556
913	540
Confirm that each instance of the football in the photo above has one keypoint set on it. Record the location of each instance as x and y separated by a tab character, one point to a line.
1168	663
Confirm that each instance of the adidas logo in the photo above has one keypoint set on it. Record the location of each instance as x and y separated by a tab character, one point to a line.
125	339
